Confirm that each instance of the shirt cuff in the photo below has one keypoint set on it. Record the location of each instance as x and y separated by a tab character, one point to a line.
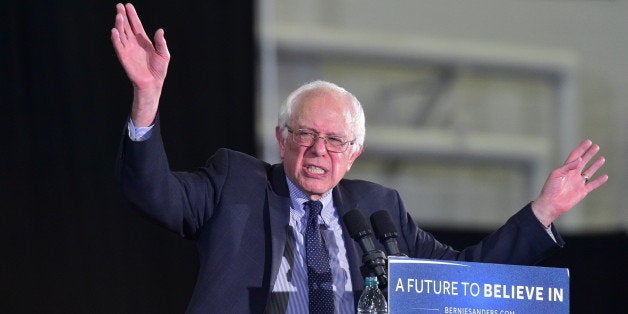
139	133
549	231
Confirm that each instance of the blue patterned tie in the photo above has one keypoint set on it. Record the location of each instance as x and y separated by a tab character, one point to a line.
319	279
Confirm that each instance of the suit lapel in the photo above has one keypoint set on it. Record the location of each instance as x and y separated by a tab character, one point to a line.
344	202
279	216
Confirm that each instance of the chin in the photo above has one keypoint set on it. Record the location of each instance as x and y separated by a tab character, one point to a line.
316	190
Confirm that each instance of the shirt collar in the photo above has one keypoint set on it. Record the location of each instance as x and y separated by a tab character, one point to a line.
298	197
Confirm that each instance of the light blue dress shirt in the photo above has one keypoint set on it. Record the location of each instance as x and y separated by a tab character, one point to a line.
290	291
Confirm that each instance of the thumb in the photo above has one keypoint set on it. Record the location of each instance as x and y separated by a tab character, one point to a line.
160	44
572	165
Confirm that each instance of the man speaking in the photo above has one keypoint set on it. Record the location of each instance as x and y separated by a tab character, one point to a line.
271	238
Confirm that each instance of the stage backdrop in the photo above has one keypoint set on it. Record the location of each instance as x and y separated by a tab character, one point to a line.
70	243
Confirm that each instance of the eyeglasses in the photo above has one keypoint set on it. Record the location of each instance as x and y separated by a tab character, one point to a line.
305	137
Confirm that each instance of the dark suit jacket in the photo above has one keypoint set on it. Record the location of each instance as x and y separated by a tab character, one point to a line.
236	209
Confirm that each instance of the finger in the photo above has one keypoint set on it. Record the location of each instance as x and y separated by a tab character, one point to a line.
115	39
572	165
592	151
590	172
160	44
125	30
136	24
592	185
121	36
578	151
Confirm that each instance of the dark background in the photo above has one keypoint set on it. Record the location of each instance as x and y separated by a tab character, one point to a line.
70	243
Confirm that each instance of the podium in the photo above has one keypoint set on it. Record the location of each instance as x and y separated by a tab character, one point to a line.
437	286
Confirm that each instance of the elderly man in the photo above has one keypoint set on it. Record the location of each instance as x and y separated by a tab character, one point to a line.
288	249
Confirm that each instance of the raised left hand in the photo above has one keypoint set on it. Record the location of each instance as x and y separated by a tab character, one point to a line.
569	184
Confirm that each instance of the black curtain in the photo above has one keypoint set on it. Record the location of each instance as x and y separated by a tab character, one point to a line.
71	244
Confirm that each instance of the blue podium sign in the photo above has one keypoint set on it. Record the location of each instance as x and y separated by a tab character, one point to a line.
435	286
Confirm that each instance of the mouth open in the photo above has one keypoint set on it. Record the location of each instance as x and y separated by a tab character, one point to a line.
315	170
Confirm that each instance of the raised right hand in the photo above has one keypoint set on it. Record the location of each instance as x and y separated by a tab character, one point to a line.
145	64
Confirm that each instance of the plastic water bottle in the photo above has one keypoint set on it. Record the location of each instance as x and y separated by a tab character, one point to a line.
372	300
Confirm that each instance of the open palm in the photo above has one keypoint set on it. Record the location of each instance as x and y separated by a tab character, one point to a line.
569	184
145	64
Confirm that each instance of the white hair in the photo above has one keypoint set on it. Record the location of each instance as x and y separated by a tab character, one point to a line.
355	118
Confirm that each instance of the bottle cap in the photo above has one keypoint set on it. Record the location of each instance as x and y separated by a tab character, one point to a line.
370	281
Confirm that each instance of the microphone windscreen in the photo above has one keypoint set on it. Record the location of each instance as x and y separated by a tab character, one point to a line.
382	224
356	224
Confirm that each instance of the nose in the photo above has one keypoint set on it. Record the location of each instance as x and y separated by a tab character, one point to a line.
319	146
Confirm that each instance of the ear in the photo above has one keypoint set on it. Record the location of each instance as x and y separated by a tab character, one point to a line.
280	141
353	157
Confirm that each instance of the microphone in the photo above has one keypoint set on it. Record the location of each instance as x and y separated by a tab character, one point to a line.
385	232
374	260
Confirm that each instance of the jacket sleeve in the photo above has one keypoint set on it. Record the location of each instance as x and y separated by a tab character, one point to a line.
179	201
521	240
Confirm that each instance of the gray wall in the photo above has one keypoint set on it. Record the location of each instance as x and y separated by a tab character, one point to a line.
593	32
